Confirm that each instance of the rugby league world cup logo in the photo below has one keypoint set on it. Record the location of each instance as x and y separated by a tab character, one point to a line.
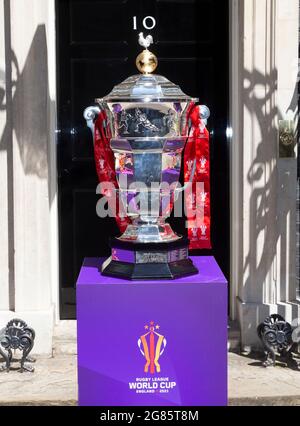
152	345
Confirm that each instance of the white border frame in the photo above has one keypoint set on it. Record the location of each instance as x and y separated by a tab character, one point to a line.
235	151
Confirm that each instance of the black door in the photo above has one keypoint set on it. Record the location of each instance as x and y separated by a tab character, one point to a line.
97	46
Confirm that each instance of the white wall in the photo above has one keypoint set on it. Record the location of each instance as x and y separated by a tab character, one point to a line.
28	152
4	266
264	185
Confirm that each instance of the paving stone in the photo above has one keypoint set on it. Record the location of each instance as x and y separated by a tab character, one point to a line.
55	383
249	382
54	380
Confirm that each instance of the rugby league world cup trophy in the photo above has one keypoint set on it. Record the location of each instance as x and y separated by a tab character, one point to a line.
141	130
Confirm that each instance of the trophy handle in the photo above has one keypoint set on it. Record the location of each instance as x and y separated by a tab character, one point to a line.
204	113
90	114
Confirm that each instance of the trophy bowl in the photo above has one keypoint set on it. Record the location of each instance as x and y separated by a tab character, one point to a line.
146	118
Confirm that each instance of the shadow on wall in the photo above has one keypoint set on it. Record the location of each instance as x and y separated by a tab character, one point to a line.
27	105
270	221
25	99
2	91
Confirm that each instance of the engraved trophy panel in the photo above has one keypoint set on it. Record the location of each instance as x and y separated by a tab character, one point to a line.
153	120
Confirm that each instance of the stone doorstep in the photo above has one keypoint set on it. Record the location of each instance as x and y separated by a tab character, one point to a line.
65	347
234	336
64	338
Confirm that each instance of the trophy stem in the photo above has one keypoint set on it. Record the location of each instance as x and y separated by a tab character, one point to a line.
146	229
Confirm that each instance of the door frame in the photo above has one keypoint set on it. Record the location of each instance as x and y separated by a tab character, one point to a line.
234	132
53	180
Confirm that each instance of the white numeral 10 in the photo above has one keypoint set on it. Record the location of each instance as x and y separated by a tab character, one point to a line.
148	23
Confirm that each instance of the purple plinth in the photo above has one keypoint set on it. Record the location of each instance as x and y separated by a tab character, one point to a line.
152	343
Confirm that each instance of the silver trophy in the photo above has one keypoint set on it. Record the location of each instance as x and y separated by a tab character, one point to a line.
147	119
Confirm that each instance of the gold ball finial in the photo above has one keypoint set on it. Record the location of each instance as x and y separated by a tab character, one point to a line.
146	62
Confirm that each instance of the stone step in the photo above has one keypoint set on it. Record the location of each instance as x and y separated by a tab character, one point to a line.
234	337
64	348
65	338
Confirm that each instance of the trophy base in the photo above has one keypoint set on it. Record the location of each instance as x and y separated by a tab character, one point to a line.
149	261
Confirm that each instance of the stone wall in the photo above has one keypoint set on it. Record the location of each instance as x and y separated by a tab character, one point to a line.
265	215
27	166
